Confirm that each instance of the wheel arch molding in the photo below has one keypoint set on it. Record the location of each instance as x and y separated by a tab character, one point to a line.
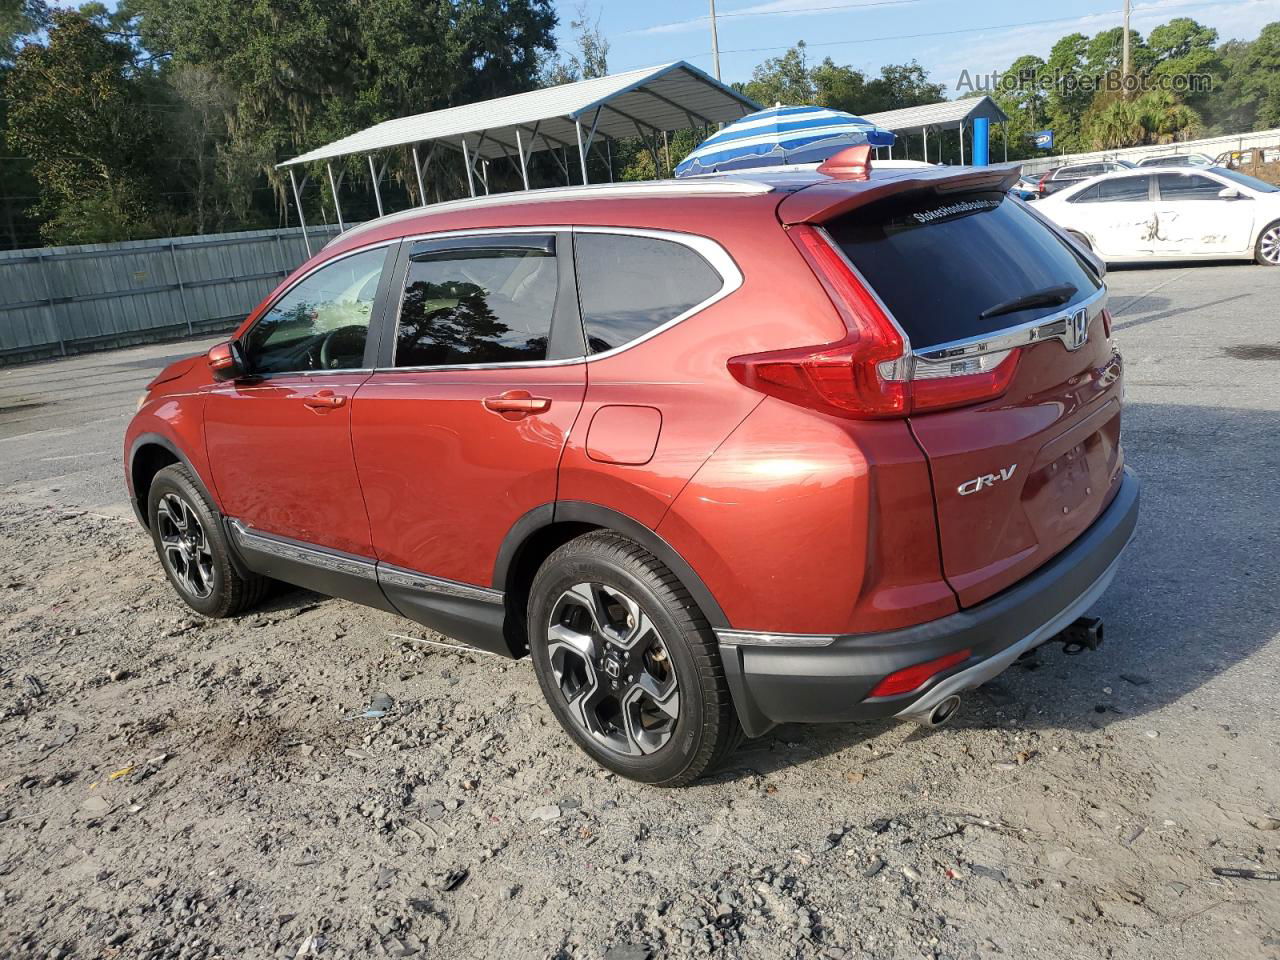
136	496
569	518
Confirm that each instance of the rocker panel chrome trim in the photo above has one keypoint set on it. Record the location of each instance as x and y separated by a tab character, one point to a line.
297	552
400	577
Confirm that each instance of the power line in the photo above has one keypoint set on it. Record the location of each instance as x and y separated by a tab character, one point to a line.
932	33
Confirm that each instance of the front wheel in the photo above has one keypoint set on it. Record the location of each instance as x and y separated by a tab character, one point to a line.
193	548
628	663
1267	250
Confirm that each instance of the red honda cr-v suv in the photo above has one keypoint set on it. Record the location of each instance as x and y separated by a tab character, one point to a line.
715	454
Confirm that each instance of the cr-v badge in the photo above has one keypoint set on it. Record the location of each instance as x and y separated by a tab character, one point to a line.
990	480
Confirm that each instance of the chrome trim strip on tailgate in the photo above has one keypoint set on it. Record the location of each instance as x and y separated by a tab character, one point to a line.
1055	326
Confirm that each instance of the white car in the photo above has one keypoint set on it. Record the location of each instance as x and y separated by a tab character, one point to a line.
1201	213
1177	160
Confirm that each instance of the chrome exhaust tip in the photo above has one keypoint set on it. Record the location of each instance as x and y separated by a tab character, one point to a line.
941	713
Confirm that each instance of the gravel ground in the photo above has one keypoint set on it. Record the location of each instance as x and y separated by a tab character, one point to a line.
173	787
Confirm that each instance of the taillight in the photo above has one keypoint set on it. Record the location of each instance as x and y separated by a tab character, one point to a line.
1040	183
915	677
868	373
1106	323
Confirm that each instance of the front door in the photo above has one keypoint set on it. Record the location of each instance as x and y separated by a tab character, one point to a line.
1195	221
459	432
279	439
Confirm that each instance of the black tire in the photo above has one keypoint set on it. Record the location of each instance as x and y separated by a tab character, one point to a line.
210	583
706	729
1266	250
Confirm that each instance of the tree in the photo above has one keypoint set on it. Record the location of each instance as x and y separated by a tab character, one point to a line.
1067	101
785	80
78	111
901	85
591	60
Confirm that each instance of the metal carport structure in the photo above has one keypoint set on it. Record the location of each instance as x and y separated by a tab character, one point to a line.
946	115
643	103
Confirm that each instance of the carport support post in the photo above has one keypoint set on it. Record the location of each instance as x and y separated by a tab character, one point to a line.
582	155
981	144
1004	138
337	204
924	136
302	217
962	143
417	173
466	162
524	169
373	175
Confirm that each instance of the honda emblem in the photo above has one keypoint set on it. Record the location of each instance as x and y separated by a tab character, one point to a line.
1077	329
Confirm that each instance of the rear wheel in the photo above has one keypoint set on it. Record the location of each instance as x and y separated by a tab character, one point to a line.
193	549
628	663
1267	249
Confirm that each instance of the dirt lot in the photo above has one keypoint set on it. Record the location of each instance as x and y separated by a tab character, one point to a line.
171	787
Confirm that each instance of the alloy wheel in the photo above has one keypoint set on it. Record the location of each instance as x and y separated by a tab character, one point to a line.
184	546
1270	245
613	669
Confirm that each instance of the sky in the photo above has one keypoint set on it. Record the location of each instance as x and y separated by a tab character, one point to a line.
946	36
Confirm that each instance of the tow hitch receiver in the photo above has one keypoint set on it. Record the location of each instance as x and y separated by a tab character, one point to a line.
1085	633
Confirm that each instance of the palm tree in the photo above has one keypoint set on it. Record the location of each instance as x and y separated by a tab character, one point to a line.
1165	118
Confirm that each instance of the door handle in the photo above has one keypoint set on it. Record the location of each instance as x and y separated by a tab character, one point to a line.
324	400
517	404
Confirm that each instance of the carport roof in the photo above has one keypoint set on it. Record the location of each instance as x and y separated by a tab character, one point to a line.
947	115
667	97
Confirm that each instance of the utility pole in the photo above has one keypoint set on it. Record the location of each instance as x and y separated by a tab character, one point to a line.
1124	69
715	40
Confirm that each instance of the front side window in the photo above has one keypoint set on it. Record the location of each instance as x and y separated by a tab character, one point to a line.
630	285
478	304
322	322
1177	186
1119	190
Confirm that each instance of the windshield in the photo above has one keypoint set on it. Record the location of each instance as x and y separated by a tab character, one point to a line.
1253	183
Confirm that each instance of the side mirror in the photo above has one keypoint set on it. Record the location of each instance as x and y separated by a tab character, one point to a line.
1230	193
226	361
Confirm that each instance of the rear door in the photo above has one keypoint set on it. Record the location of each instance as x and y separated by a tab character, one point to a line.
459	431
1118	215
1018	478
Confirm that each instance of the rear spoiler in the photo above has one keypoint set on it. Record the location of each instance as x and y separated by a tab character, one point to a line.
827	199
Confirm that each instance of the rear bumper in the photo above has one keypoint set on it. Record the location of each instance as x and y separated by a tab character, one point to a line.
790	678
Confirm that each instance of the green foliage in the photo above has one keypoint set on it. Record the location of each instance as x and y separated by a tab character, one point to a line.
790	81
78	108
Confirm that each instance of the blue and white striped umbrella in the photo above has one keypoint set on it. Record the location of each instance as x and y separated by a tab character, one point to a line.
782	135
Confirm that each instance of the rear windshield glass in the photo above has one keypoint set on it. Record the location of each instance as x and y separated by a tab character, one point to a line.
939	261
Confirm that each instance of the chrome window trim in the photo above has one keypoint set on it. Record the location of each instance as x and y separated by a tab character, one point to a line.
412	580
712	252
315	556
1053	326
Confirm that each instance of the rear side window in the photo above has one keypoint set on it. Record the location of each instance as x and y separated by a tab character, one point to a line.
1180	186
478	305
630	285
939	262
1120	190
